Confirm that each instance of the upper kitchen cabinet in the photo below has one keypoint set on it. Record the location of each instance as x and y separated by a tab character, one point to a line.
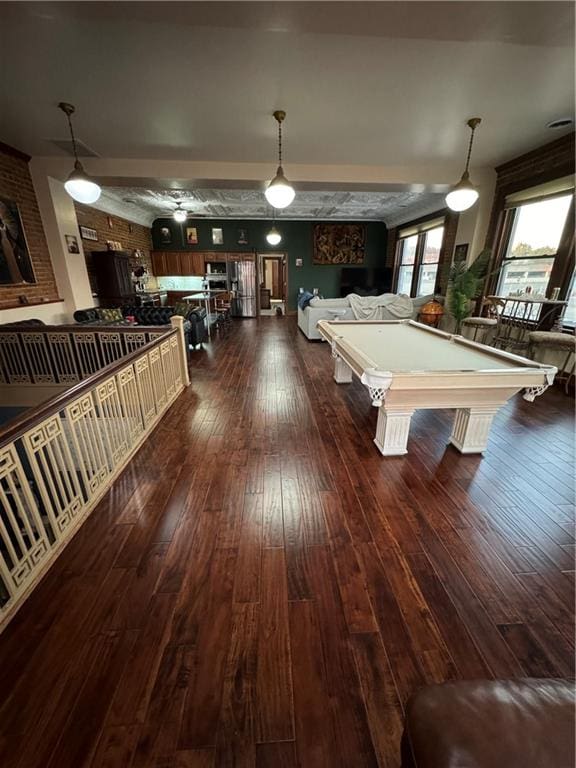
177	263
165	263
192	263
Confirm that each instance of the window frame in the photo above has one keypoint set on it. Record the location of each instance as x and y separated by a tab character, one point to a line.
419	255
563	264
430	263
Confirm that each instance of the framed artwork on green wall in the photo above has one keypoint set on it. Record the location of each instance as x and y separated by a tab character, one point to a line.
338	243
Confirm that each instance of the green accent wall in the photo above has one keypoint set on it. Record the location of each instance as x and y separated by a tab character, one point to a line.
296	243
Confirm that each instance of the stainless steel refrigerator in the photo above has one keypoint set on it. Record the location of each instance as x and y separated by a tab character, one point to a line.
242	282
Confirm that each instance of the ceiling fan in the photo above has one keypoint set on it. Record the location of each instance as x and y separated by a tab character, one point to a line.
181	214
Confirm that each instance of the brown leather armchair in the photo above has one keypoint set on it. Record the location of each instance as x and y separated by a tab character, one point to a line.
527	723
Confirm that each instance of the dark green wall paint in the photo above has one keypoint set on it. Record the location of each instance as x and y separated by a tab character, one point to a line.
296	243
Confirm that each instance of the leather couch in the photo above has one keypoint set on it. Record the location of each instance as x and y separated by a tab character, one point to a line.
525	723
194	318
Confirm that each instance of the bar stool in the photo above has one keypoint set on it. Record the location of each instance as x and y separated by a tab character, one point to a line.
558	342
223	310
483	325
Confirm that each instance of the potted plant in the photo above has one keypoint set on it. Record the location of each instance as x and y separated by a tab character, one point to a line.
465	284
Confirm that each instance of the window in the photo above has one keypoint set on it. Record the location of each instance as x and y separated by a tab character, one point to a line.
535	231
430	260
407	254
569	317
418	257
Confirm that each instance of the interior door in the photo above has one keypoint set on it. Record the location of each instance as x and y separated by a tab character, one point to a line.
273	276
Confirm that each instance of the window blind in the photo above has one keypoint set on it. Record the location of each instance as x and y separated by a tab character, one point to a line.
423	227
541	192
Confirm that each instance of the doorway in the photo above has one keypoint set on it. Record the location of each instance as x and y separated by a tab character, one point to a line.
272	283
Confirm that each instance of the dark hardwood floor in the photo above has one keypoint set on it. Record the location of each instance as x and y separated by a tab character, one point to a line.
262	588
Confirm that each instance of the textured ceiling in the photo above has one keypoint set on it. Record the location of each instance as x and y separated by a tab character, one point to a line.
145	205
363	83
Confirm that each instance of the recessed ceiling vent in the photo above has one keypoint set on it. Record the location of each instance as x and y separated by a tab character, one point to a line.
562	122
66	146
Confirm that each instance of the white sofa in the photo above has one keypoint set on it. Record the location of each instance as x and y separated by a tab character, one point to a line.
331	309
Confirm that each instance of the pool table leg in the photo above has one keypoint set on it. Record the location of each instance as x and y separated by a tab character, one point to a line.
471	428
392	430
342	371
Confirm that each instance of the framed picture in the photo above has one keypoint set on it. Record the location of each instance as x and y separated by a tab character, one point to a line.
338	243
15	262
217	236
191	235
165	235
86	233
242	237
298	262
461	252
72	243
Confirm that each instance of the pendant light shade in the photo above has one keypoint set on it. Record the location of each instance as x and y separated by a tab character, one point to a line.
280	192
79	185
464	194
273	237
180	214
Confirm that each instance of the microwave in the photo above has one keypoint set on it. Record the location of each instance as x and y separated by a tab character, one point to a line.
217	282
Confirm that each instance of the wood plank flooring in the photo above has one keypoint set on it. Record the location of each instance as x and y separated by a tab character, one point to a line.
261	588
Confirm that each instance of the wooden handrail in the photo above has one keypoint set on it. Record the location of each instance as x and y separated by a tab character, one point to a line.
22	424
82	328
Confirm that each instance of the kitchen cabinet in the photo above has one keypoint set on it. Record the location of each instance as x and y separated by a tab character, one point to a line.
192	263
175	263
159	263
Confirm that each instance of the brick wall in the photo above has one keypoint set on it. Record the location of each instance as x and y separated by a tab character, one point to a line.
16	184
131	236
552	161
447	251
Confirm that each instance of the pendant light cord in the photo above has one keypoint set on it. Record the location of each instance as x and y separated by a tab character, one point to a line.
73	137
280	144
470	148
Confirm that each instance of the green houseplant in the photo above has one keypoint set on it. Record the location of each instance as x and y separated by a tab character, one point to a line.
465	284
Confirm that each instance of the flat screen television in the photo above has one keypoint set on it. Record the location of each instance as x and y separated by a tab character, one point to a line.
365	281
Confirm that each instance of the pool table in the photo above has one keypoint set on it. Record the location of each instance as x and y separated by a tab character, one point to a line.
406	365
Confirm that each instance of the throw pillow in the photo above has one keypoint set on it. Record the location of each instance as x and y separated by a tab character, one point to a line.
181	308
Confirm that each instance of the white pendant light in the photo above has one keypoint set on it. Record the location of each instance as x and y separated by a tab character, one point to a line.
180	214
464	194
79	185
273	237
280	192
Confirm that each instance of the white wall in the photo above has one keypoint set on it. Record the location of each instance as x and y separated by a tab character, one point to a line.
51	314
473	223
59	219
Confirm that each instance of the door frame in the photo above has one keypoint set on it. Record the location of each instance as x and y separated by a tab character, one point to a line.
278	255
